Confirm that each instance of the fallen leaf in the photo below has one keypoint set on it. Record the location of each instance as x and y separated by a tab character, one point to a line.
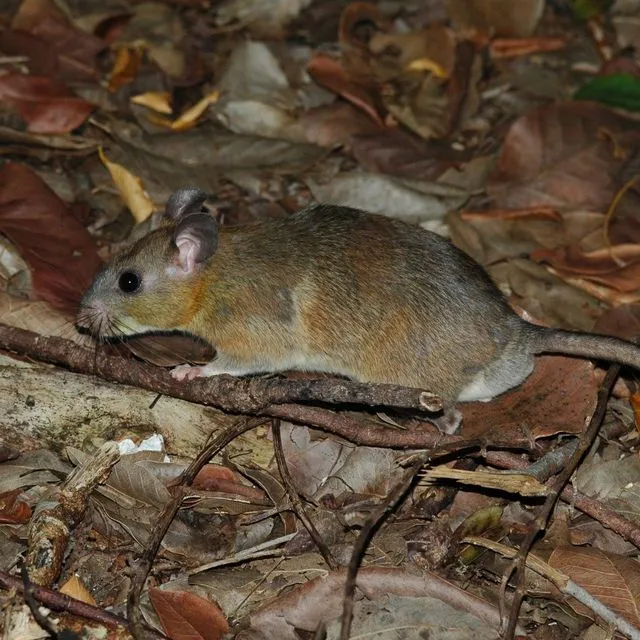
125	67
330	73
54	46
184	615
157	29
399	153
47	107
130	189
623	321
336	125
75	588
561	155
496	17
617	267
190	117
614	580
431	50
13	510
557	397
159	101
60	252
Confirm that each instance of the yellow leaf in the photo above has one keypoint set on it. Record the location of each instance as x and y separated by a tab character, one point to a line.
189	118
125	67
424	64
74	588
130	189
159	101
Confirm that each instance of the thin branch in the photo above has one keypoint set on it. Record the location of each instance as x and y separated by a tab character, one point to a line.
563	583
393	499
60	602
242	395
544	512
167	515
294	496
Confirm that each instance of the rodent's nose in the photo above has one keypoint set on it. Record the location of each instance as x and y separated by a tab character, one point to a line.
91	317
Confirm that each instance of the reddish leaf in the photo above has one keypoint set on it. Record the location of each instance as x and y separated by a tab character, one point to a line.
556	398
563	155
399	153
46	106
615	580
55	47
12	510
210	476
185	615
330	73
60	252
618	267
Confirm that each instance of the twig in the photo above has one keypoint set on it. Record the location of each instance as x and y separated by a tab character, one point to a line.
362	542
28	593
563	583
545	511
169	511
394	498
296	502
60	602
58	512
242	395
230	394
603	513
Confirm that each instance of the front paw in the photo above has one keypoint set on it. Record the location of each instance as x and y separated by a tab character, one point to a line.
187	372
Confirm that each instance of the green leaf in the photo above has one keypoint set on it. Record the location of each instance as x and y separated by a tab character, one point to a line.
587	9
621	90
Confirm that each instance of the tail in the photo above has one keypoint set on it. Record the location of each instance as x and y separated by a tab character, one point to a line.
585	345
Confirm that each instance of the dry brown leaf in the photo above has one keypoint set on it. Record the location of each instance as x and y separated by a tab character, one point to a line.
60	252
185	615
561	155
615	580
330	73
13	507
55	47
48	107
429	50
617	268
557	397
75	588
130	188
190	117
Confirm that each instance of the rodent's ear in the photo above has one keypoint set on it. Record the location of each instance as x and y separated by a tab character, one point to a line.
196	236
184	202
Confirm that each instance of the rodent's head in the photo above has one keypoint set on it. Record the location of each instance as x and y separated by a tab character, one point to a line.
155	284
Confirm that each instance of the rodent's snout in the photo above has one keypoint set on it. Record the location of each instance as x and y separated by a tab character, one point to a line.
92	318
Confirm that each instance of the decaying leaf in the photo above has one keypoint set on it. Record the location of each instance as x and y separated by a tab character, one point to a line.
159	101
58	249
557	397
53	45
186	615
130	188
561	155
615	580
47	107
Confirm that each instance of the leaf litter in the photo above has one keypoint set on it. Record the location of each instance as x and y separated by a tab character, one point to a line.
510	127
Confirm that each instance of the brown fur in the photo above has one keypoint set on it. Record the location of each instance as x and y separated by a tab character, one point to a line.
343	291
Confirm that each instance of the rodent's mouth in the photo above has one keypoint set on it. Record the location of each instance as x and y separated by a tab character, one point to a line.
97	323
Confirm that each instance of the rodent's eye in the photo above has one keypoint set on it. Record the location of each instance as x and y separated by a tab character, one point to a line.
129	281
